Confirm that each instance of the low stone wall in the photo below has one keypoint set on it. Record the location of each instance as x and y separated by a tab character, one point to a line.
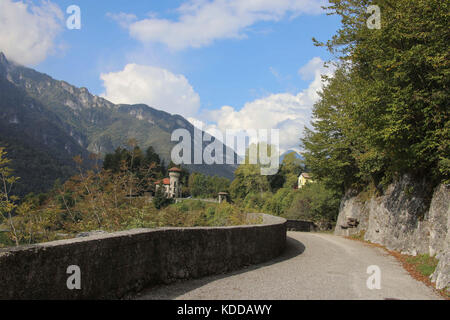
303	226
117	264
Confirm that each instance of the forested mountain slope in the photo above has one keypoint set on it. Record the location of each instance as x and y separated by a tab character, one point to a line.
45	122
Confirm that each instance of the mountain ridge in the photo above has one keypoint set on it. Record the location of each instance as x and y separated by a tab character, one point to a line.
86	123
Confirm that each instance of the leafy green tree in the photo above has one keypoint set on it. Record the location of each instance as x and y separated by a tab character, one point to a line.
160	199
202	186
291	168
197	184
256	201
248	178
280	202
329	147
385	112
314	202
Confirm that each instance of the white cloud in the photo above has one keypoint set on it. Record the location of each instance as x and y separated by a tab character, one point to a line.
206	127
201	22
28	31
287	112
312	69
162	89
124	19
153	86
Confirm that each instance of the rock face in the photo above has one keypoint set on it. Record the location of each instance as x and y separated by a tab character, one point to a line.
402	220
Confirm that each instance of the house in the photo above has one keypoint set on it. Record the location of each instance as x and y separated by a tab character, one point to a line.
172	185
303	179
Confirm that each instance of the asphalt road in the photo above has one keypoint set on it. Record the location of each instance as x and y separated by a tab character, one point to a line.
314	266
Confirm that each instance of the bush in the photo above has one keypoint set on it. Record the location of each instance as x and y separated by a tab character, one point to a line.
255	201
197	213
314	202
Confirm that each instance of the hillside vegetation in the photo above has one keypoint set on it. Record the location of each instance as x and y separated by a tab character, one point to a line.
109	198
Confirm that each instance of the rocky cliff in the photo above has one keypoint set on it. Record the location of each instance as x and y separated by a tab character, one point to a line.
407	218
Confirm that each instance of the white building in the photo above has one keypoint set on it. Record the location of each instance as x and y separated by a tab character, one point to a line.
303	179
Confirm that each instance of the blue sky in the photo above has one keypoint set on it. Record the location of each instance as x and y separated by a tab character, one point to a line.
218	61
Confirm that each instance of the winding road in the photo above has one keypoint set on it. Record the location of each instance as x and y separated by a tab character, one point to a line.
313	266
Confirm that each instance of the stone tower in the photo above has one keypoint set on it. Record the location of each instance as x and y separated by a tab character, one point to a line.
175	185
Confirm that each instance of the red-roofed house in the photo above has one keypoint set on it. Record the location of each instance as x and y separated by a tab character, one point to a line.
171	185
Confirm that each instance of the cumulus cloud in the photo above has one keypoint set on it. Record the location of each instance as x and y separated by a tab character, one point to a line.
122	18
28	31
156	87
289	113
201	22
209	128
314	68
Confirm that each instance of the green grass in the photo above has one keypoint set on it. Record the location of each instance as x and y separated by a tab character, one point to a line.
423	263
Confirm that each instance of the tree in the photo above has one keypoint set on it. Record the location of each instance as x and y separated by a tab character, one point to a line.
160	199
248	177
152	157
314	202
280	202
291	168
7	201
113	162
145	168
202	186
198	185
329	147
385	112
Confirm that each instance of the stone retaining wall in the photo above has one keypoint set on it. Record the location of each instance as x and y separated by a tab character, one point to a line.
117	264
303	226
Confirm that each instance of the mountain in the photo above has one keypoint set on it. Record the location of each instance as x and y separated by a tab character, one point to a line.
296	154
45	122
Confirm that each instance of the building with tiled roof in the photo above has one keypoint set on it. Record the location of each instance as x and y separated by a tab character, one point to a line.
165	182
172	185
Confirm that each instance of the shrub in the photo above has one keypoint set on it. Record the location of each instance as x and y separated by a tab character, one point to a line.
314	202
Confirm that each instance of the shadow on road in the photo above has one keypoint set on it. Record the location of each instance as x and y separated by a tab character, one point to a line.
293	249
